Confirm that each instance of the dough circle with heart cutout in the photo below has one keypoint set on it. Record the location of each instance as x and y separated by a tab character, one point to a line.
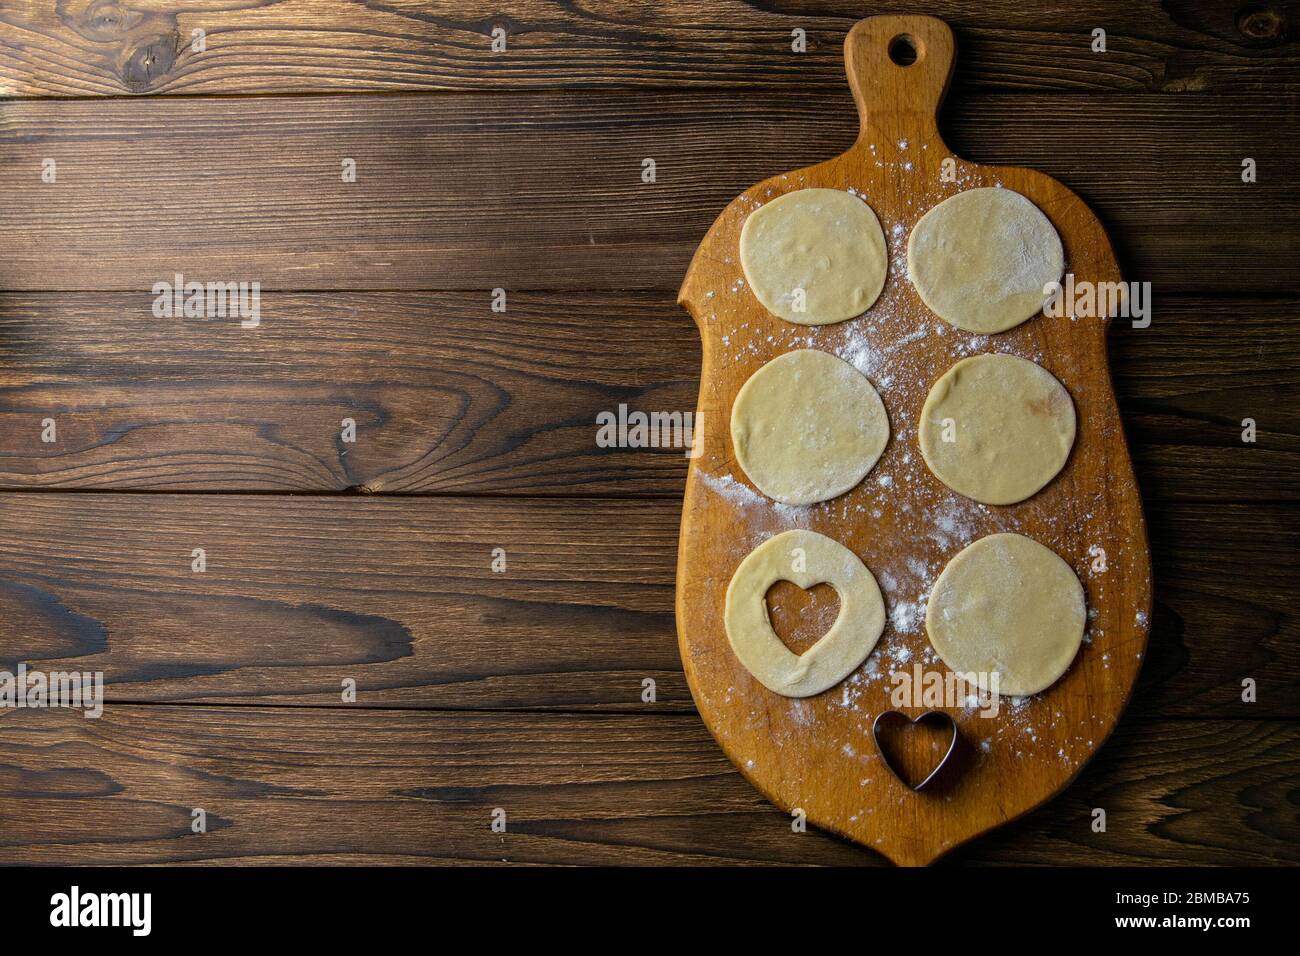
807	559
981	259
1009	605
814	256
996	428
807	427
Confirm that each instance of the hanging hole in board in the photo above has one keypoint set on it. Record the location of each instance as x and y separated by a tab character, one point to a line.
903	50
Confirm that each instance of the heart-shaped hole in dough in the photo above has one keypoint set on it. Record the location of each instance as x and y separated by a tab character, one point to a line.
921	751
801	617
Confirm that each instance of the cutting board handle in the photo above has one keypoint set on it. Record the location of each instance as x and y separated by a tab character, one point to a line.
899	68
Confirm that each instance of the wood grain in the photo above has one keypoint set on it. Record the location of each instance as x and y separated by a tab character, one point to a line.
89	48
300	594
447	396
302	786
537	188
544	191
452	398
398	594
1187	382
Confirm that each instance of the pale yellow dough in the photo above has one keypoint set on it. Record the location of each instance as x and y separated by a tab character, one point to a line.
1010	605
807	427
823	244
981	259
1011	425
807	559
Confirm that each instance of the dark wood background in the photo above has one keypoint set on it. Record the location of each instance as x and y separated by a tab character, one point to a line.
371	560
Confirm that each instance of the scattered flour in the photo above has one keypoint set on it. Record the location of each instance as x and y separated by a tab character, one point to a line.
906	618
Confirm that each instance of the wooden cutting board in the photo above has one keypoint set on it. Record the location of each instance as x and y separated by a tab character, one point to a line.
818	754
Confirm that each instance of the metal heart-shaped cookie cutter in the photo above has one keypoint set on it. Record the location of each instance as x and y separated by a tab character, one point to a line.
930	716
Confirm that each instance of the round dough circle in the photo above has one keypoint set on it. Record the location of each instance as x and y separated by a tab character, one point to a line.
826	242
1010	605
1012	425
807	427
841	649
980	259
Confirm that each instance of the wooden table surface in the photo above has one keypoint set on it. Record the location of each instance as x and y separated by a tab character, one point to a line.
371	561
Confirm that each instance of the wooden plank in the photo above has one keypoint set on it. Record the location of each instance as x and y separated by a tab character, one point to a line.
449	397
1183	404
312	591
398	594
545	191
292	46
295	785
